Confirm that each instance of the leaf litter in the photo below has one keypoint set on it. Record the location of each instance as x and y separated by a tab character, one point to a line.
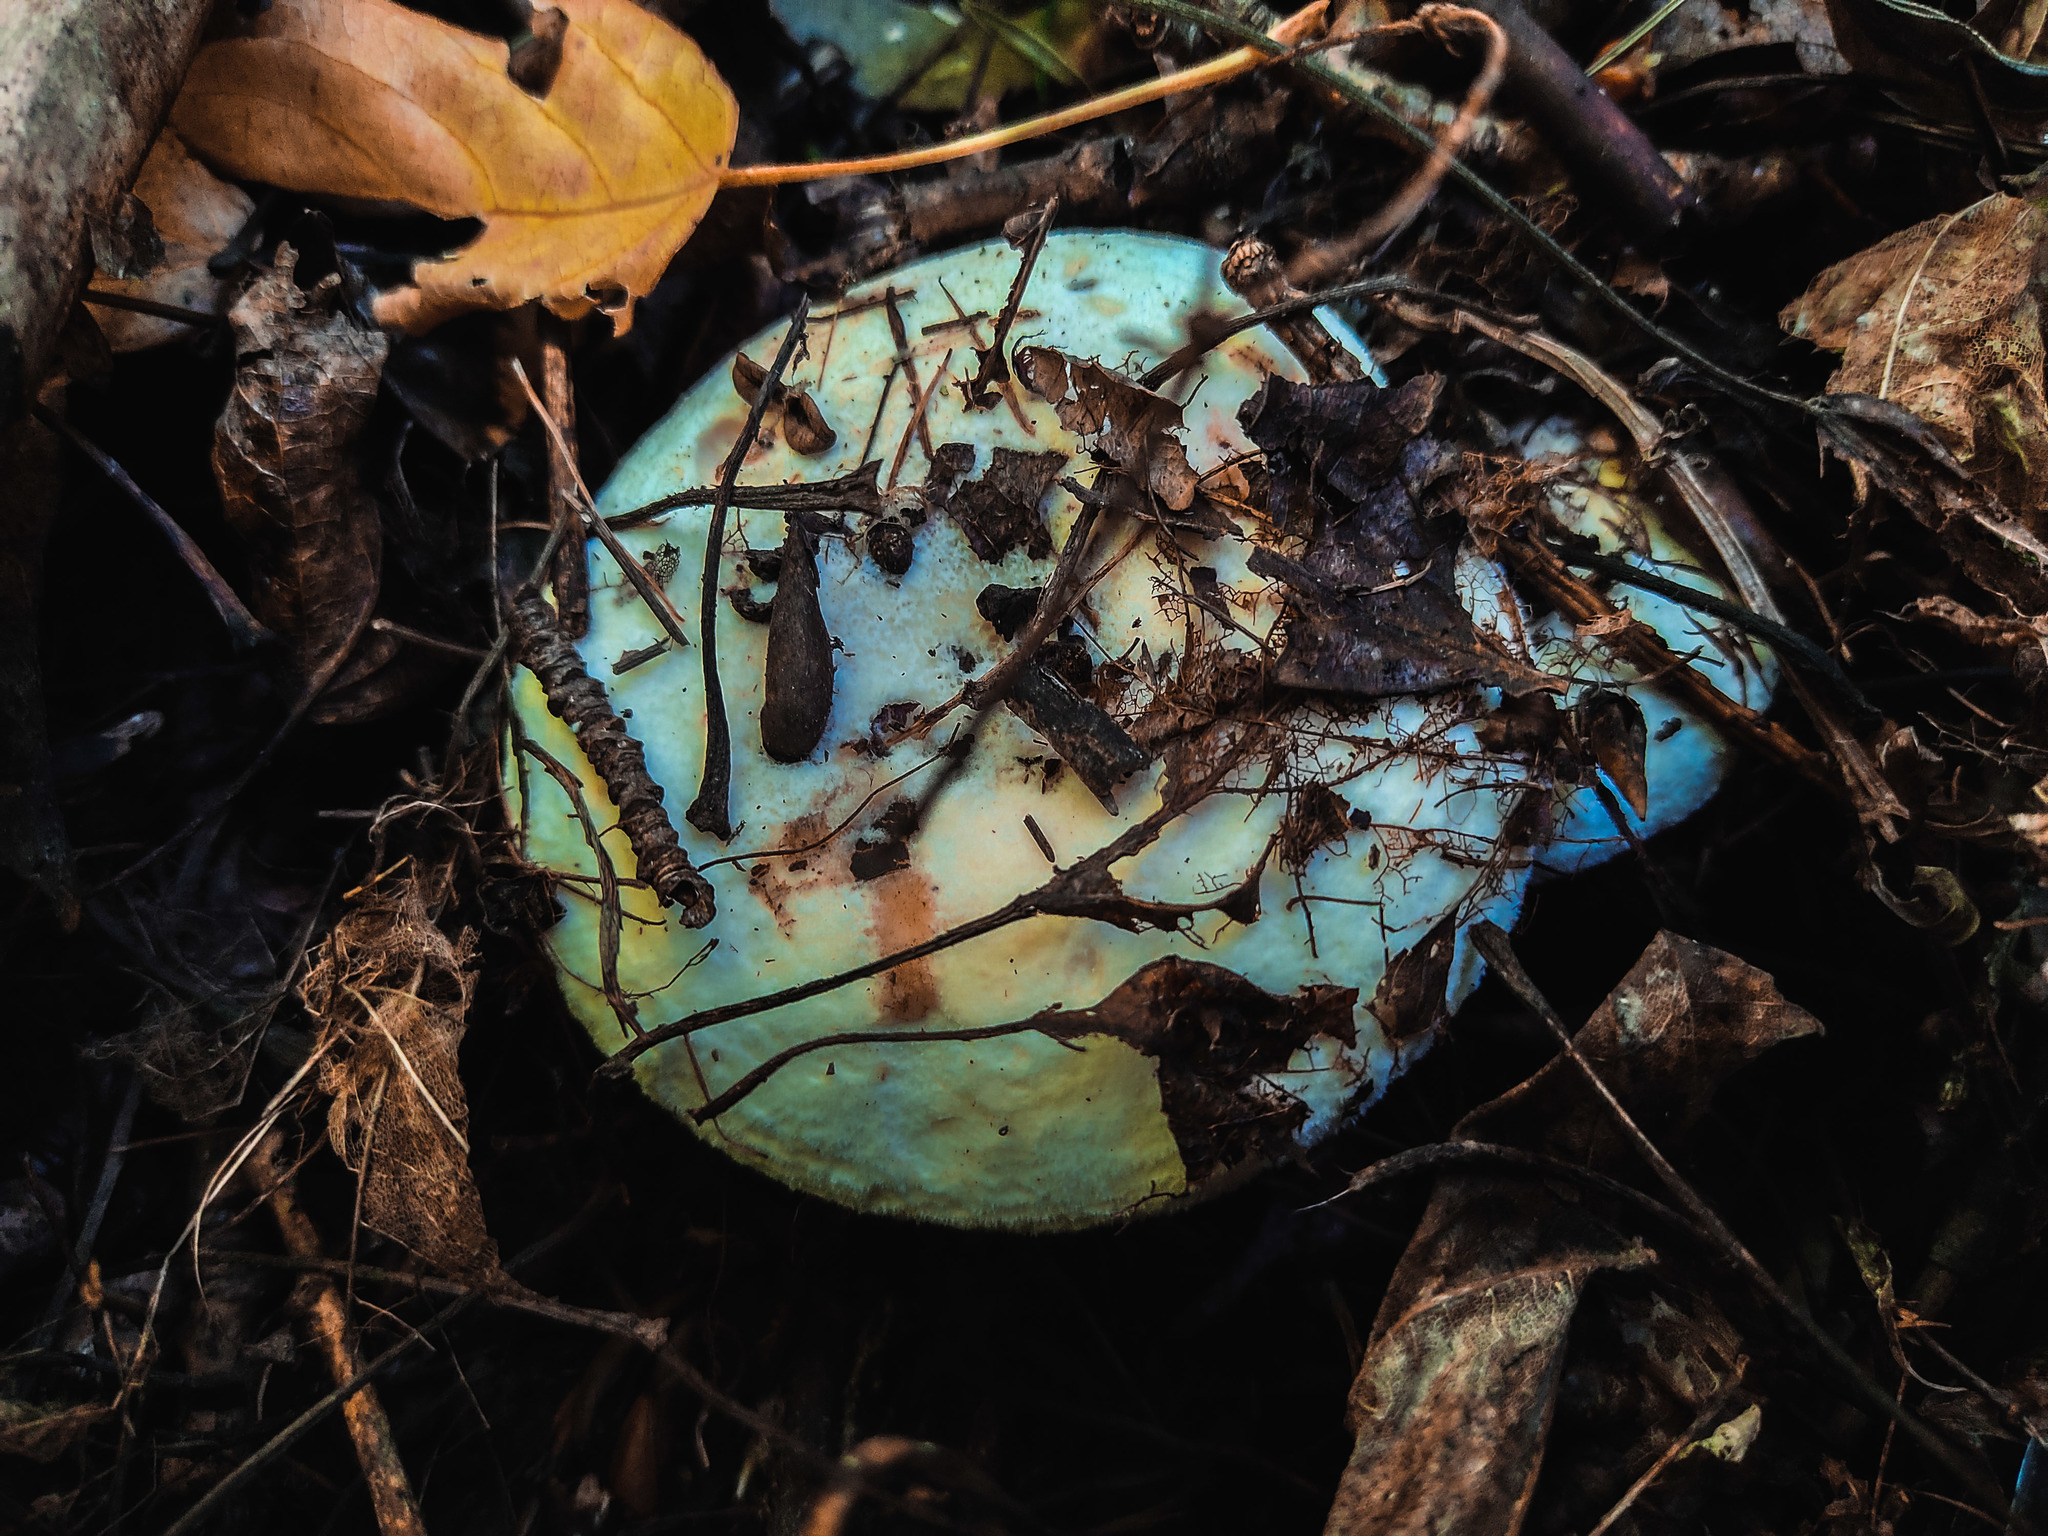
1555	1345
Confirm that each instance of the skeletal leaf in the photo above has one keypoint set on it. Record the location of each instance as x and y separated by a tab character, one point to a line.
585	194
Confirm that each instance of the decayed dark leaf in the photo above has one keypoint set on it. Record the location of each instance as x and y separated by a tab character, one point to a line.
1410	997
1215	1037
1132	426
1906	458
998	509
285	454
1372	608
1927	60
399	989
1452	1405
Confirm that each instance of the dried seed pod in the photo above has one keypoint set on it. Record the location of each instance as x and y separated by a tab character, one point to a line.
796	697
891	545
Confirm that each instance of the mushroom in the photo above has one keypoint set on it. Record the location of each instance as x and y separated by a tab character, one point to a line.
1283	928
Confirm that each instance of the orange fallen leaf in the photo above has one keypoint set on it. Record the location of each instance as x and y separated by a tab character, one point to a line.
585	194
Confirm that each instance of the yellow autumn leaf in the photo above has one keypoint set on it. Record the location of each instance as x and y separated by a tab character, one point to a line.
585	195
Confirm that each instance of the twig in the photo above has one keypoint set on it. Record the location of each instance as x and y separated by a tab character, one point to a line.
327	1328
583	508
1179	361
1786	641
198	319
1158	89
1318	263
855	491
1086	890
242	625
571	576
79	1255
608	922
1056	600
1642	648
580	702
1351	90
710	811
994	361
1500	954
195	1518
649	1331
1671	1452
1444	1154
421	638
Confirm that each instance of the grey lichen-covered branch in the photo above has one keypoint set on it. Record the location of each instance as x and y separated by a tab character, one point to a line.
84	86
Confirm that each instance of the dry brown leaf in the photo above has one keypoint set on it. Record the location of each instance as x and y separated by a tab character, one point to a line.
286	455
585	194
1944	320
400	989
197	215
1133	426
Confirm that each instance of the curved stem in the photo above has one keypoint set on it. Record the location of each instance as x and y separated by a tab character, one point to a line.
1236	62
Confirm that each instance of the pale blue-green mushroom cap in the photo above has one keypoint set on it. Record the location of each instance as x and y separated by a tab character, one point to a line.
1021	1131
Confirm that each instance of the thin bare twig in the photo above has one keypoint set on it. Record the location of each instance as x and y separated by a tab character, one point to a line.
710	811
649	1331
242	626
328	1330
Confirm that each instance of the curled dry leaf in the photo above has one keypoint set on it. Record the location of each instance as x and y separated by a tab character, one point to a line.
585	194
196	215
284	452
400	989
1944	320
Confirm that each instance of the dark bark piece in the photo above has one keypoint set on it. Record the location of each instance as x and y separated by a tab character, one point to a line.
1527	724
1452	1406
797	700
1084	734
1008	609
998	510
578	699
